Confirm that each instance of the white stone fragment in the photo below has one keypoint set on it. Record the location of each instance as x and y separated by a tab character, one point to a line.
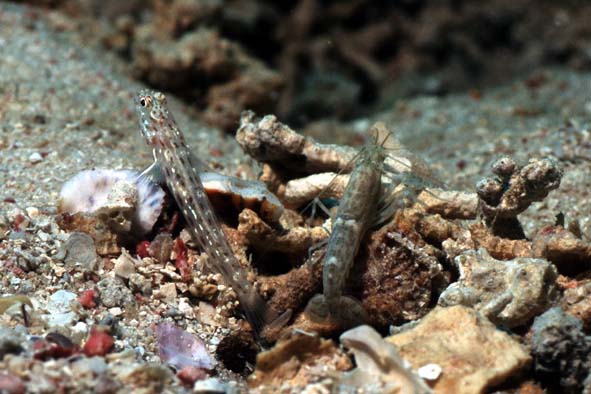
115	311
166	293
35	158
59	309
80	327
430	371
124	266
186	308
33	212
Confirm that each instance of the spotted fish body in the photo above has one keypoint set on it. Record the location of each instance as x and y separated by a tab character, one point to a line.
172	154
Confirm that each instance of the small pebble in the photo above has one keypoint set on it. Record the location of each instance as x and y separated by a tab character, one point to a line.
189	375
98	344
113	292
11	384
59	302
35	158
140	283
116	311
43	236
181	349
80	328
186	308
59	309
429	372
81	252
18	218
4	228
139	351
124	266
561	350
88	298
87	368
10	342
167	292
210	386
33	212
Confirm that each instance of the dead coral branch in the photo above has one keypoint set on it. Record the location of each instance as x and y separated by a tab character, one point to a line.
270	141
294	241
513	190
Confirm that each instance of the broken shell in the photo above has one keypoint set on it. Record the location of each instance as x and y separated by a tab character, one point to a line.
230	192
125	197
378	362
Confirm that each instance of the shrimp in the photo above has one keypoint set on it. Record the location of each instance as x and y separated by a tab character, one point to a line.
354	217
181	173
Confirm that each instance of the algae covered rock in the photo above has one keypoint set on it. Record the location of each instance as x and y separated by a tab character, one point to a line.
561	350
509	293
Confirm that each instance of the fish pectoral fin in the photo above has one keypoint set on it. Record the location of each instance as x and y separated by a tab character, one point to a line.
154	173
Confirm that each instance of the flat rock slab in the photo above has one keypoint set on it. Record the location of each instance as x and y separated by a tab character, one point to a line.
472	353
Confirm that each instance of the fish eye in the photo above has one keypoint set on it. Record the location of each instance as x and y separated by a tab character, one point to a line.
145	101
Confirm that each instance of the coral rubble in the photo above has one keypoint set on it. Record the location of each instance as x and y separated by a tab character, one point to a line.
473	354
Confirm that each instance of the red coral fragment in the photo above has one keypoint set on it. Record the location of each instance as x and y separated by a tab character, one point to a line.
216	152
190	374
140	298
87	298
53	346
99	343
547	230
16	270
142	249
18	220
182	260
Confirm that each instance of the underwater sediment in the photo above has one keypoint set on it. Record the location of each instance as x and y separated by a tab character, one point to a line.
483	261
